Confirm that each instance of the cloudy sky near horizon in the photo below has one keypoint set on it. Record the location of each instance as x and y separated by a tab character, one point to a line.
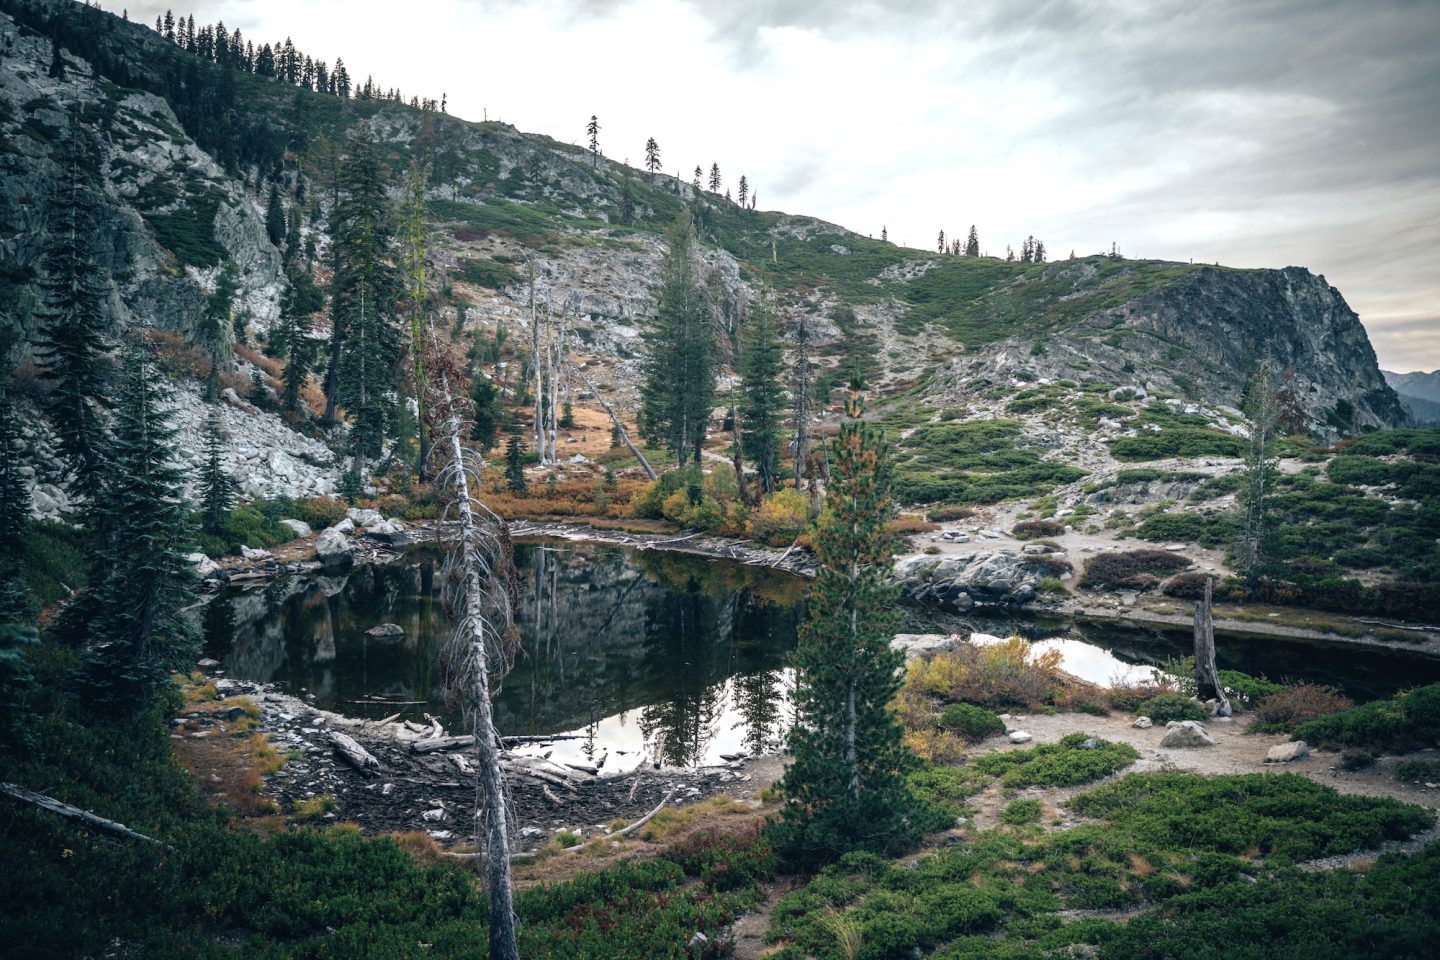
1258	133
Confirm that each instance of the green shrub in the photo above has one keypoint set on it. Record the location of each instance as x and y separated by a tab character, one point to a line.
971	722
1177	441
947	787
1064	764
1021	812
322	512
1036	529
1409	720
1172	706
1417	771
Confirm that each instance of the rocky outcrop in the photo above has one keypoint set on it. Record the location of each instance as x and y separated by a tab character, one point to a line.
984	579
334	550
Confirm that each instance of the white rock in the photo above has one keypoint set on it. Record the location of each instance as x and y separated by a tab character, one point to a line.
1020	736
1286	752
345	526
333	549
254	553
364	518
298	527
1187	733
202	565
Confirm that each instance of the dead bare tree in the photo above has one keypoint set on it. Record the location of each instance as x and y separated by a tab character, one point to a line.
615	419
480	597
1207	677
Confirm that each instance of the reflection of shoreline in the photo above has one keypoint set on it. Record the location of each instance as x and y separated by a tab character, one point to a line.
647	640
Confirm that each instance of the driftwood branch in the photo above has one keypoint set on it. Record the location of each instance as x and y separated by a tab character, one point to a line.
626	831
75	813
359	758
441	743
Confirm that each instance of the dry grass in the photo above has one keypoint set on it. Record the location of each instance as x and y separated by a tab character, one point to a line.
1288	708
1008	673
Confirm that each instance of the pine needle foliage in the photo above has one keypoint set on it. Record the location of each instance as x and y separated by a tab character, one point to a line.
72	350
847	787
217	487
14	498
762	371
678	391
140	580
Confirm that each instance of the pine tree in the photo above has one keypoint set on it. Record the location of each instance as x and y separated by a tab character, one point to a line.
486	401
940	243
14	498
57	62
762	366
216	488
1009	253
847	785
972	243
884	234
652	157
592	130
515	465
415	253
744	191
364	293
714	178
1039	251
678	390
698	174
72	351
1262	408
275	216
290	340
139	577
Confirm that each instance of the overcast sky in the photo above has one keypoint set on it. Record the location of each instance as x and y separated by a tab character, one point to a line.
1259	133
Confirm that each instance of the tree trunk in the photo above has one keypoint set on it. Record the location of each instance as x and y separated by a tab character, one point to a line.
1207	677
471	632
624	435
74	813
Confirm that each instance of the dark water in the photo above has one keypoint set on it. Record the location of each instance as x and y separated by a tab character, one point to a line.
635	655
645	655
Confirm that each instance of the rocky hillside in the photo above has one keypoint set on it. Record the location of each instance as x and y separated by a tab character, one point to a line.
1419	392
184	200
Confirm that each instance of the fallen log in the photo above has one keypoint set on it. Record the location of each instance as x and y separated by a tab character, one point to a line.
360	758
441	743
626	831
75	813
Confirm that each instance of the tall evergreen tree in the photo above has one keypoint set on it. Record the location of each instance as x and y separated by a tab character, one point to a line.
486	401
744	190
940	243
714	178
592	130
416	295
698	174
57	62
1262	408
364	294
762	368
216	488
652	157
290	340
140	579
515	464
847	785
884	234
14	498
678	391
275	216
72	350
972	243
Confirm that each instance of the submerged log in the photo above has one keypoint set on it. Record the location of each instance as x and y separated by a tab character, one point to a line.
360	758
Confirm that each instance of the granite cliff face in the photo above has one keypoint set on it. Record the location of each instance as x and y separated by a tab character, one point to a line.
949	328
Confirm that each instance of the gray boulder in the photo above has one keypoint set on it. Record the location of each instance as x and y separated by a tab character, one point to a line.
334	550
203	566
1187	733
298	527
388	531
364	518
1286	752
386	631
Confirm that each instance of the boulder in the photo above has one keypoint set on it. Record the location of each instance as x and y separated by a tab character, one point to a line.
364	518
386	631
1187	733
1286	752
298	527
346	526
254	553
388	531
1020	736
203	566
1143	723
334	550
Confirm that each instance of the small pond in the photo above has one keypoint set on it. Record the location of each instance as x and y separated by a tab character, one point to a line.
648	656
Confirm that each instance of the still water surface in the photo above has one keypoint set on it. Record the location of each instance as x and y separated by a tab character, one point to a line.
644	656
